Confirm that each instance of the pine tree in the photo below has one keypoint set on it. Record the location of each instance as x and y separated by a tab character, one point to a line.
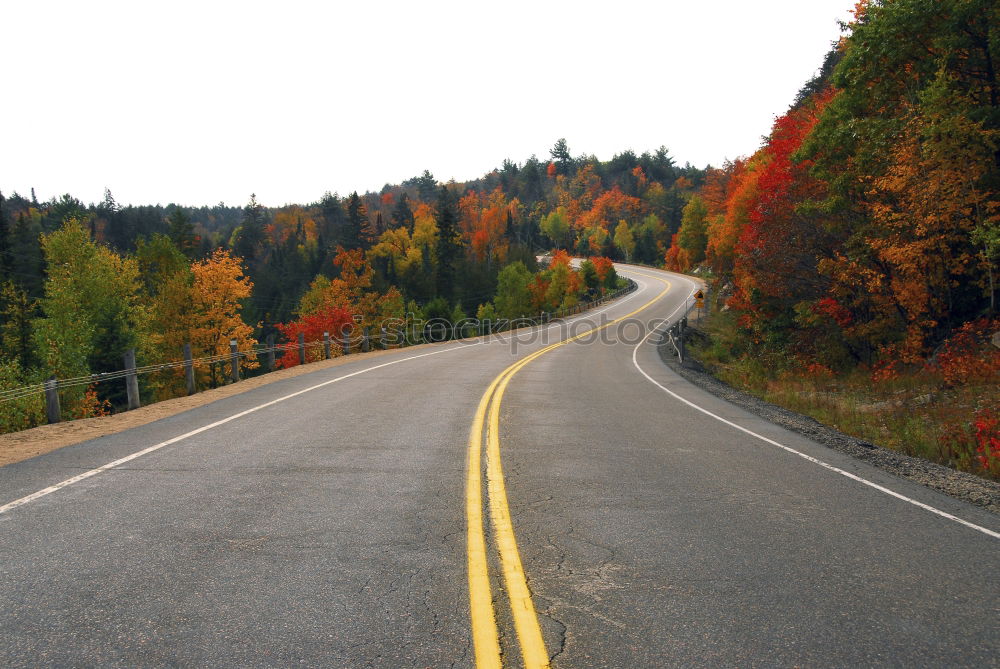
449	245
561	157
108	205
426	183
181	232
250	234
357	231
402	215
16	313
5	241
332	216
26	255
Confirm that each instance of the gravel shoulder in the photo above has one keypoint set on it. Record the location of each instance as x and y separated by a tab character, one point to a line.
961	485
18	446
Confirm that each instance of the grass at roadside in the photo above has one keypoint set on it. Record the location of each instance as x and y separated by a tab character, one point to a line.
918	411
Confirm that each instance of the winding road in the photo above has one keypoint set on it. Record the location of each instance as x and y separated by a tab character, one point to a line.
556	495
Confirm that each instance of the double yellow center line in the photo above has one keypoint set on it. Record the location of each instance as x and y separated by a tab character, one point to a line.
485	636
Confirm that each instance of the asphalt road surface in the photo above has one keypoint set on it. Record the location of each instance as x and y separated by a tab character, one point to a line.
331	520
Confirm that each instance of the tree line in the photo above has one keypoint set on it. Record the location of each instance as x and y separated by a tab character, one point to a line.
81	284
866	229
855	254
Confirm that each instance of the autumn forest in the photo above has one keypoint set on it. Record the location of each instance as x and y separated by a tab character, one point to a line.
858	247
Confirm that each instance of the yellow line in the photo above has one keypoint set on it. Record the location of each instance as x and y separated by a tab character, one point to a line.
484	629
485	639
529	634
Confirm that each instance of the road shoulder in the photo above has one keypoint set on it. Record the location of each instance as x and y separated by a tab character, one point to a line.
960	485
26	444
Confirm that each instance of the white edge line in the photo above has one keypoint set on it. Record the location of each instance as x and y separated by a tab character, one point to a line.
138	454
825	465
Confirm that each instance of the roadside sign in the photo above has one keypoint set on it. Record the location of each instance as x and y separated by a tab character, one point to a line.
699	303
699	295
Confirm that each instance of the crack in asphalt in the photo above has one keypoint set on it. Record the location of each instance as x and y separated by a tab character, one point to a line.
562	634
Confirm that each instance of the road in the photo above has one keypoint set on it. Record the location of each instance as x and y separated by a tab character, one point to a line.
613	516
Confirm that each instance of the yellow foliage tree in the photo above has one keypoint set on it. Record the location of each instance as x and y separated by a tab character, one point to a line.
203	308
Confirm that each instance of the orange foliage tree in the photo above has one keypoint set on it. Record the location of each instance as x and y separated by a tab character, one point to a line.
213	317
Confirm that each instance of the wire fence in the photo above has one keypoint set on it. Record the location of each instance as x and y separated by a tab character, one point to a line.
359	339
101	377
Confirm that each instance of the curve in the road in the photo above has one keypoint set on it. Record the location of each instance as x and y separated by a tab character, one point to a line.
4	508
483	619
817	461
487	418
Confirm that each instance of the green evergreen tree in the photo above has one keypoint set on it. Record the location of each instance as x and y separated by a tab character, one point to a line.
181	232
65	208
108	205
449	246
249	237
402	215
357	232
560	156
426	185
331	211
590	278
6	253
16	313
26	258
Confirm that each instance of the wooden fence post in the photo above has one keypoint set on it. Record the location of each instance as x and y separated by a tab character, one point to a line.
365	345
189	369
302	348
234	357
131	381
51	400
270	352
326	345
346	341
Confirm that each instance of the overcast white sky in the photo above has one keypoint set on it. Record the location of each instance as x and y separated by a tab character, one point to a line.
201	102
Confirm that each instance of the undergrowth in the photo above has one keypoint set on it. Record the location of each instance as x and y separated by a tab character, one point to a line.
946	411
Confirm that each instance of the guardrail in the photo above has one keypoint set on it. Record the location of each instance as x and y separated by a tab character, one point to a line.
675	333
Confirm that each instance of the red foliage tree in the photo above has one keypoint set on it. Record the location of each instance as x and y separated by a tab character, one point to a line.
602	266
778	249
328	319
